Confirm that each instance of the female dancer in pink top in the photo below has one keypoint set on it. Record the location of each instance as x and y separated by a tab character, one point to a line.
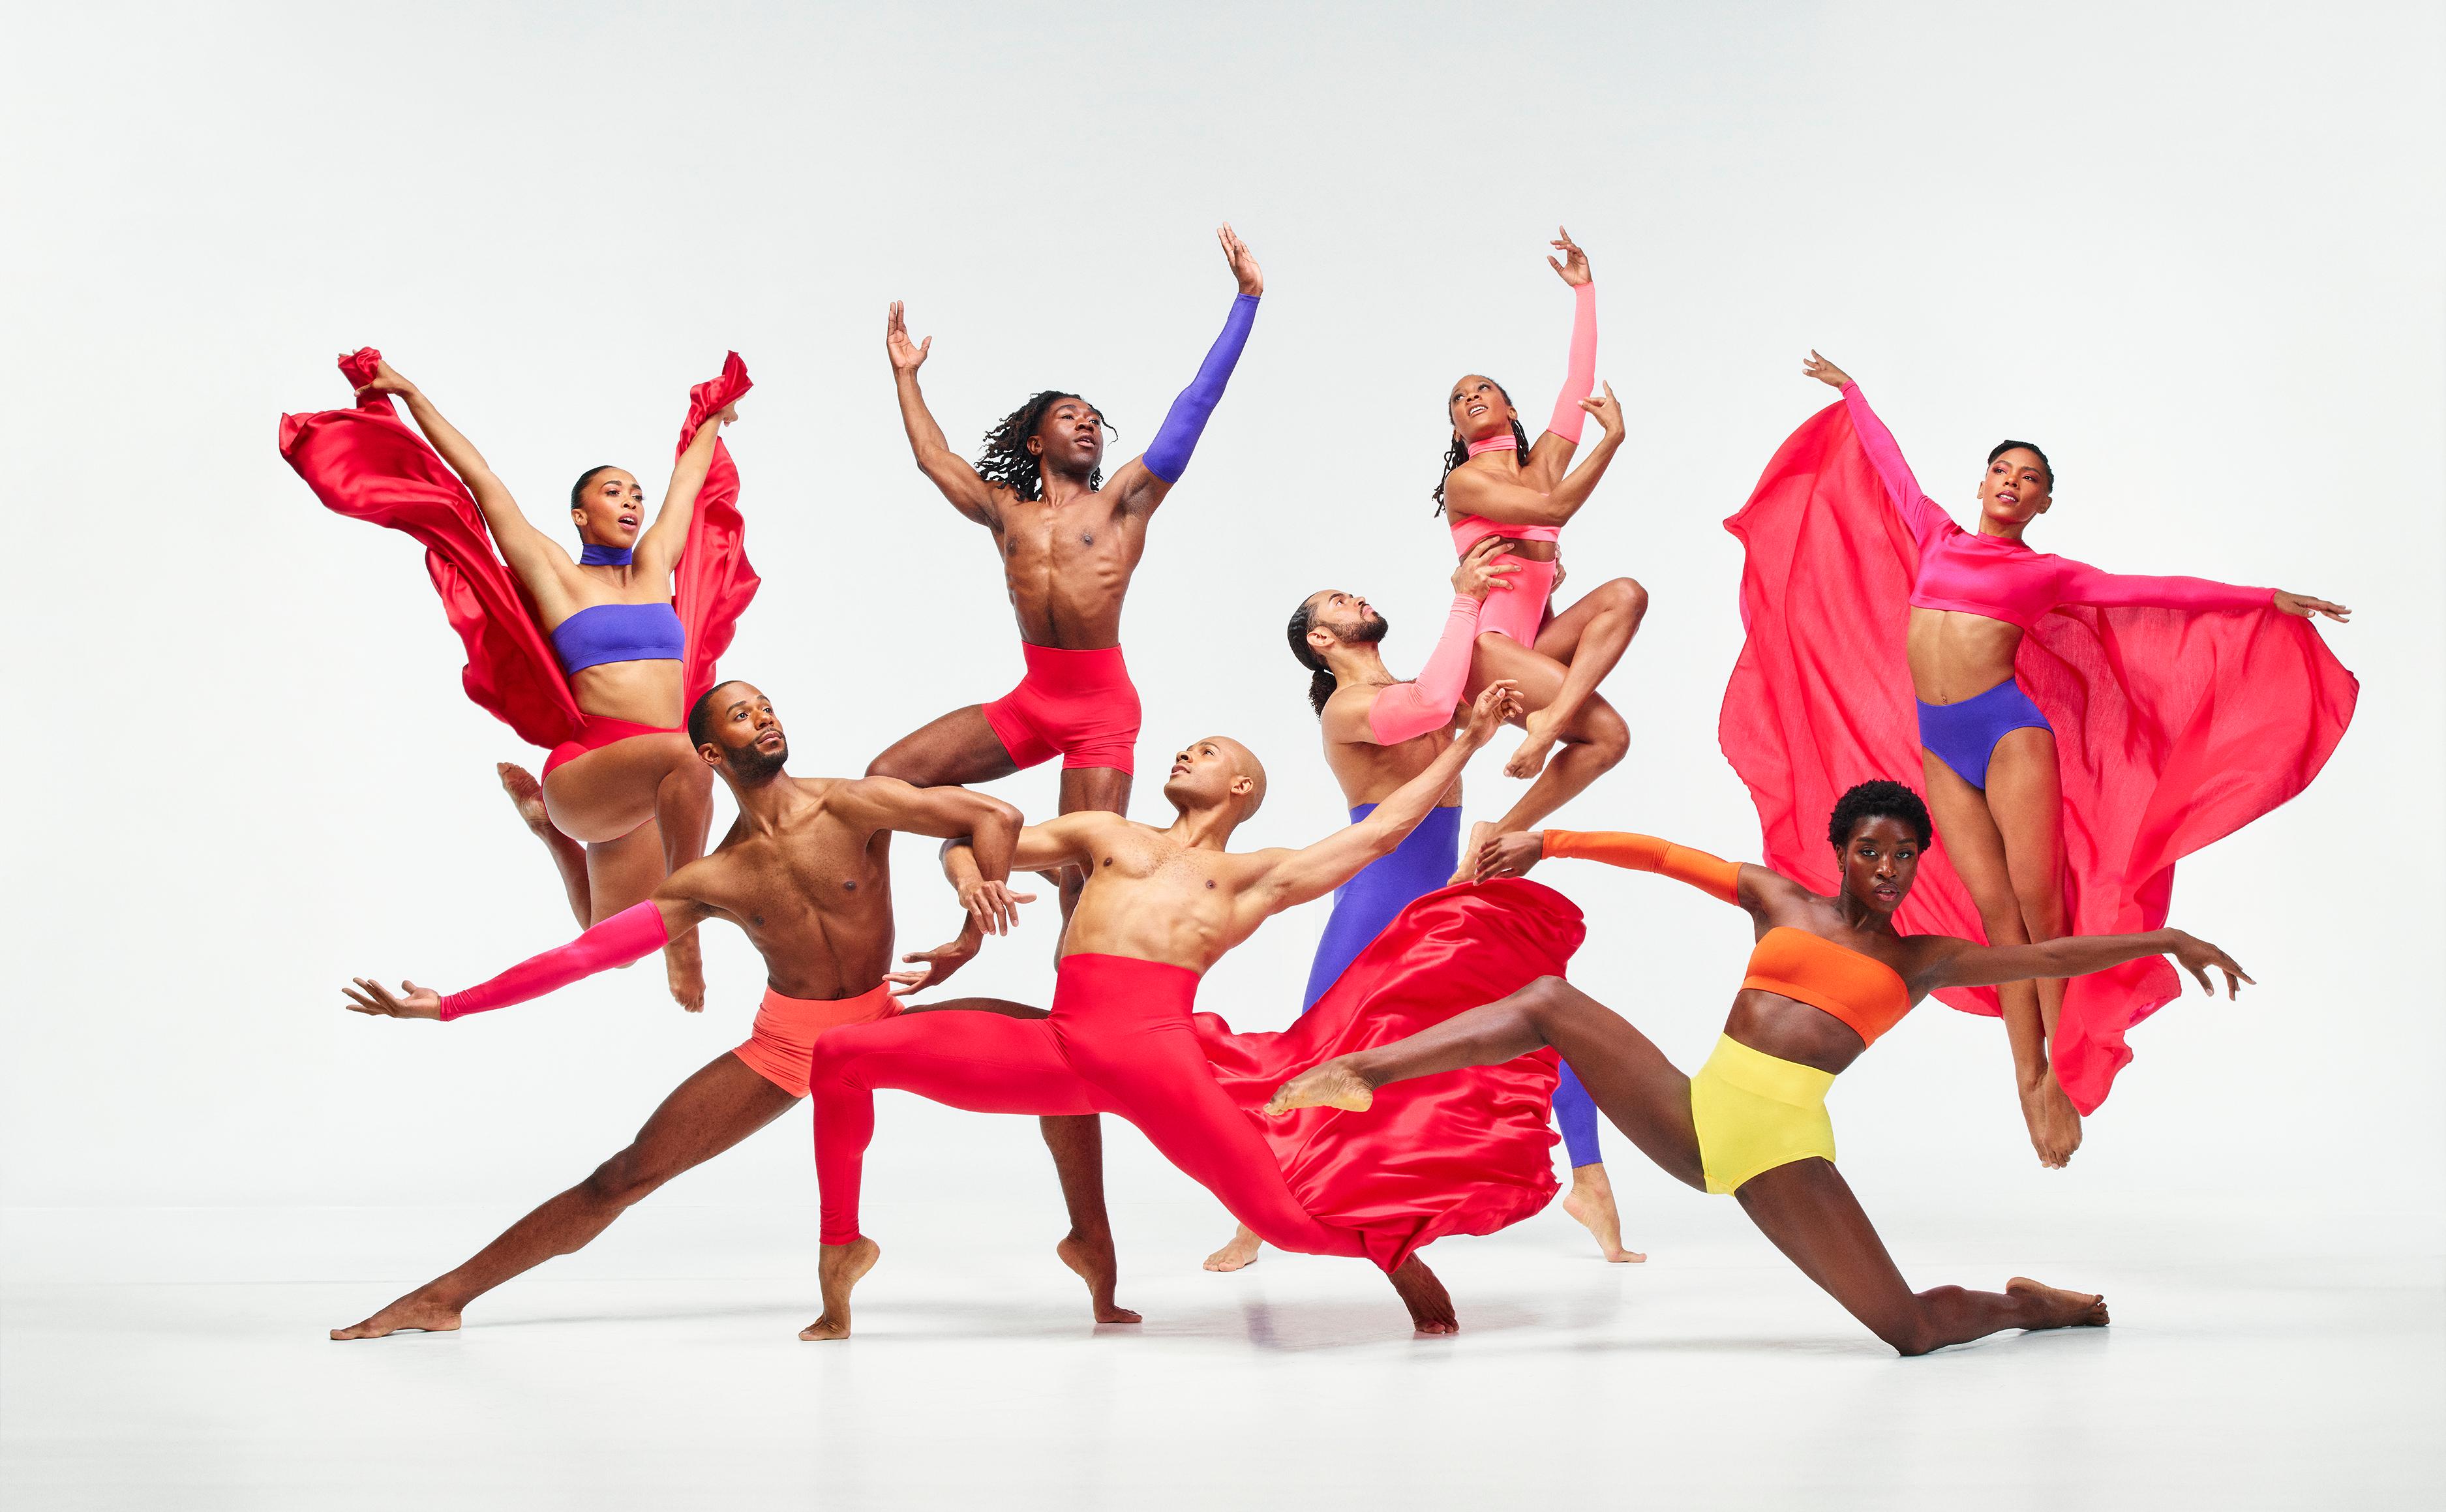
1495	484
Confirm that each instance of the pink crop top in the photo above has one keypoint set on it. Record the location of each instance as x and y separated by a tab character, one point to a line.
2003	579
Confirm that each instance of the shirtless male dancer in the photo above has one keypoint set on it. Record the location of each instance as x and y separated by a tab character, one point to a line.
1379	734
1159	908
806	872
1068	545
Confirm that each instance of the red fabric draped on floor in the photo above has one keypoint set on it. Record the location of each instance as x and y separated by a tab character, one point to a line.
368	464
2172	729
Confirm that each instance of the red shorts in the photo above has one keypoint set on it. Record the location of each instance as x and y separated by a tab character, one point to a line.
784	1037
1078	704
599	731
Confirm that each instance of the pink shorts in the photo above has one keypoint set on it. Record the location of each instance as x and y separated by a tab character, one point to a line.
1518	610
1080	704
784	1037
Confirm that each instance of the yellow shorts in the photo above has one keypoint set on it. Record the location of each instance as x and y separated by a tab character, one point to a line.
1754	1113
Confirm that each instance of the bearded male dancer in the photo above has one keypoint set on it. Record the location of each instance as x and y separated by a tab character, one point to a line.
1161	906
1379	734
806	872
1068	546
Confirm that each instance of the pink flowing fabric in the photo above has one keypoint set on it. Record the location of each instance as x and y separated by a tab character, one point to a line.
2172	729
368	464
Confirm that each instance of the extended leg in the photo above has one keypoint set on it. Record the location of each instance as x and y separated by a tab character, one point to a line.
2026	797
1076	1143
568	855
706	1115
1589	639
1809	1211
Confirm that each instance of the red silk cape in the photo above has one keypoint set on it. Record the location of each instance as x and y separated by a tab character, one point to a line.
368	464
2172	729
1459	1152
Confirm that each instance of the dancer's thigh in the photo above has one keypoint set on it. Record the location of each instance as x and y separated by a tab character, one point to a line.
961	747
622	873
2025	798
1808	1210
1498	657
1974	845
605	793
980	1062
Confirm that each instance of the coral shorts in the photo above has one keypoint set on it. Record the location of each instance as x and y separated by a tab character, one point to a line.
784	1037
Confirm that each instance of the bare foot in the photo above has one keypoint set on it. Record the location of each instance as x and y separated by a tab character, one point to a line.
527	794
1538	743
1238	1255
1591	1201
1480	834
2054	1123
1430	1305
1094	1260
839	1268
683	967
414	1312
2057	1308
1329	1084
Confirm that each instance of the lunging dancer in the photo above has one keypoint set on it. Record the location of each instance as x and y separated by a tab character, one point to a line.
1497	485
1160	906
805	873
1379	735
1068	544
1827	975
591	659
2078	731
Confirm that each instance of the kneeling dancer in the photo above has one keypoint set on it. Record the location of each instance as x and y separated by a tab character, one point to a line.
805	873
1826	977
1160	906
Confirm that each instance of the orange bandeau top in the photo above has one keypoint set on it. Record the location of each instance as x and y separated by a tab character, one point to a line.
1861	990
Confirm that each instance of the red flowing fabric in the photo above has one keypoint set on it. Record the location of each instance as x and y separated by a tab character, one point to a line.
368	464
2172	729
1459	1152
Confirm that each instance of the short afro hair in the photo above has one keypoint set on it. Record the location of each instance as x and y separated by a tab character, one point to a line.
1877	799
701	714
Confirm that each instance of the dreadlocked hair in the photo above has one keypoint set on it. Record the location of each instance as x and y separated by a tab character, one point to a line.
1007	461
1320	681
1458	452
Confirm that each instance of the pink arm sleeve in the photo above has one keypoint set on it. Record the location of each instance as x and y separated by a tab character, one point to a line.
1919	512
629	935
1407	710
1580	378
2084	584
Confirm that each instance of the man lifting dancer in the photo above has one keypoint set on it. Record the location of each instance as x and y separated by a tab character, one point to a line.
806	872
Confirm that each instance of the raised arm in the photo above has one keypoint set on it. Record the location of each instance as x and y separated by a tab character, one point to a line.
1407	710
1962	963
1296	876
1580	375
1922	516
535	556
1469	491
1142	484
629	936
968	493
989	827
1746	886
659	548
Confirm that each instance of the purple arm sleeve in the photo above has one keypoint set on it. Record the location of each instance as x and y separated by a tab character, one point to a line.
629	935
1580	378
1167	456
1407	710
1926	521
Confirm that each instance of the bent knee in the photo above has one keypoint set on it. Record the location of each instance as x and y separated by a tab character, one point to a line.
1605	734
1626	594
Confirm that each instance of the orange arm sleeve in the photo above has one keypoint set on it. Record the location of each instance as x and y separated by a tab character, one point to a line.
1645	853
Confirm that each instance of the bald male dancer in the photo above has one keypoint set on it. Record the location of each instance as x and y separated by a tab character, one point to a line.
1159	908
806	872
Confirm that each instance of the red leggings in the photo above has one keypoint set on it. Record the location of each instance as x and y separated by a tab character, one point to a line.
1119	1041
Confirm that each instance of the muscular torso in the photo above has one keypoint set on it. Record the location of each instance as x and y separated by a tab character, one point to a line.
1153	898
1068	566
1955	655
1370	773
815	895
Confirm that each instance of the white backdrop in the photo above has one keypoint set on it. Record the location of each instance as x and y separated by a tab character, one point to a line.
2192	252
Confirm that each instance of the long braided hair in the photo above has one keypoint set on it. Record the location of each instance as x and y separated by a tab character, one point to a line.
1007	461
1321	680
1458	452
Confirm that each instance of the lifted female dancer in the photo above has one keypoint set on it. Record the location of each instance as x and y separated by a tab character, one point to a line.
1826	977
624	800
2157	713
1495	484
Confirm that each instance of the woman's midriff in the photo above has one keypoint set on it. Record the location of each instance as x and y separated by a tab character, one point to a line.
1955	655
642	693
1789	1029
1528	550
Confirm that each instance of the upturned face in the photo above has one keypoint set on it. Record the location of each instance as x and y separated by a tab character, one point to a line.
1070	438
1478	408
1213	772
612	511
2015	489
747	738
1342	617
1879	862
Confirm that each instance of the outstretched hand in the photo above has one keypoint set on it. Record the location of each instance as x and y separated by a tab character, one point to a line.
1244	266
2306	606
1499	701
994	908
385	381
411	1002
1479	573
934	967
1825	373
1607	408
1511	855
907	356
1574	268
2197	956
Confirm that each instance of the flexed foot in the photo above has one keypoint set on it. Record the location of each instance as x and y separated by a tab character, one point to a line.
839	1267
1537	742
1430	1305
415	1312
1328	1084
1480	834
1092	1257
1591	1201
2057	1308
1238	1255
684	966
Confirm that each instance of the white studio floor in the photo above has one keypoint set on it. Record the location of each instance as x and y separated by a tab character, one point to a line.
176	1358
